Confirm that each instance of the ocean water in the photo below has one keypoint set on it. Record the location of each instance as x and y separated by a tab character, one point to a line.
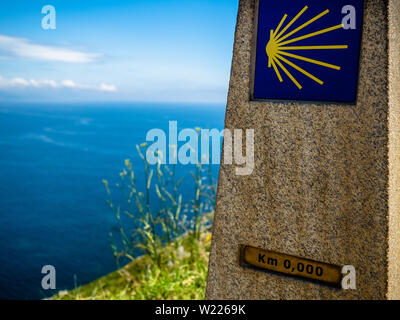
53	207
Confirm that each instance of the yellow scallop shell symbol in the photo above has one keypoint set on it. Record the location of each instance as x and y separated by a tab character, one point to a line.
277	47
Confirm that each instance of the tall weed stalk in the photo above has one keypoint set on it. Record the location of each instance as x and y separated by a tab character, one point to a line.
153	226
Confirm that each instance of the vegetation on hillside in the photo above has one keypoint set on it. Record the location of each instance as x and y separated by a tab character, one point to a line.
171	237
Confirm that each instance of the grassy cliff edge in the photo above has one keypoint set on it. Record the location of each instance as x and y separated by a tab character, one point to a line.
181	276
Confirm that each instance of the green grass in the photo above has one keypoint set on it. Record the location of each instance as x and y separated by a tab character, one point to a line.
181	276
175	237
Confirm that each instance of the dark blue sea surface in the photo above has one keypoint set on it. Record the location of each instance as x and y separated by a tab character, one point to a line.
53	208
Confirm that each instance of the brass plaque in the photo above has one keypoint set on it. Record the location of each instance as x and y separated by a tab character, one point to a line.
291	265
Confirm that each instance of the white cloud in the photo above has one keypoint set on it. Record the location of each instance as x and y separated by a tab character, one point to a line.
43	83
108	87
50	83
25	49
19	81
69	84
102	87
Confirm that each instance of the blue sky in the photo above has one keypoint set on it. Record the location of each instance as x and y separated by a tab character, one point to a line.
154	50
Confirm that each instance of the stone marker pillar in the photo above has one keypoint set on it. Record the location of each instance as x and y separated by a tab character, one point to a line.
326	179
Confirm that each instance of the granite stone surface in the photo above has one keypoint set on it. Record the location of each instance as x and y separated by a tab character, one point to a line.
326	182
